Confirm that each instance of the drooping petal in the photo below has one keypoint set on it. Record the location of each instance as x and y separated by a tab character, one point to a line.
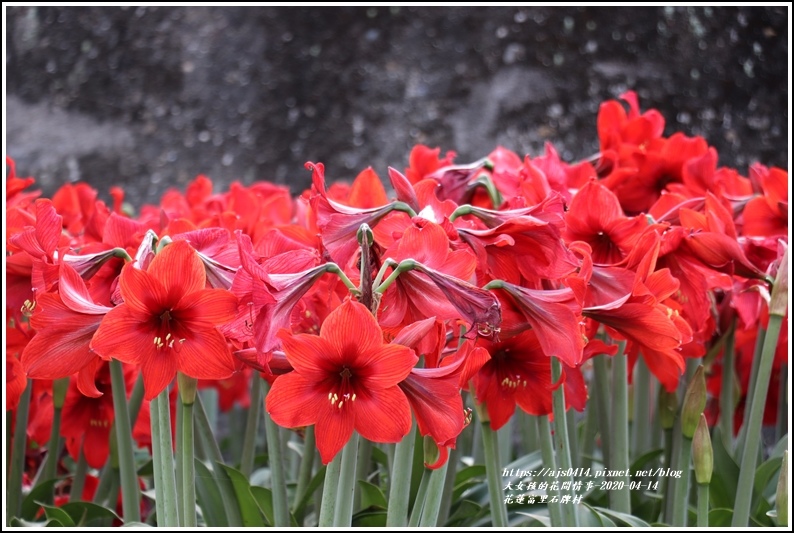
333	429
437	404
294	401
159	369
203	355
74	293
382	416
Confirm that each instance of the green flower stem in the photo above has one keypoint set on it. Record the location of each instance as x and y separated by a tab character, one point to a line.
588	435
305	472
573	437
188	459
421	495
129	478
493	471
562	445
726	391
703	505
50	470
620	500
362	468
252	428
403	266
14	487
449	485
435	492
399	491
550	462
781	425
330	492
179	465
744	495
105	479
277	461
136	400
681	485
759	345
641	427
212	453
529	433
161	417
333	268
78	481
157	463
343	513
666	484
602	393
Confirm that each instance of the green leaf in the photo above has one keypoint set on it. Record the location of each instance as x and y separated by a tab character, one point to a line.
542	520
589	517
380	457
765	474
30	506
464	512
264	499
369	519
644	459
146	469
622	518
83	513
56	513
314	484
135	524
725	479
371	495
468	473
54	523
249	509
209	497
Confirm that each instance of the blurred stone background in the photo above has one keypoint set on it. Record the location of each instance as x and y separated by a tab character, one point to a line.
149	97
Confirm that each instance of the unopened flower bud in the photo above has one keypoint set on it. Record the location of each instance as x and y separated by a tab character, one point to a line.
668	404
59	388
187	388
779	300
694	403
702	453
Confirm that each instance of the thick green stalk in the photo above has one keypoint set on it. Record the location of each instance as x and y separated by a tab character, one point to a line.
602	393
50	470
744	495
449	485
573	438
188	459
181	459
278	479
435	492
252	428
562	442
726	391
136	400
130	490
781	426
421	495
157	463
343	514
703	505
161	416
400	489
528	433
14	488
78	481
550	462
211	452
759	345
493	472
620	500
305	472
681	491
330	488
589	435
641	427
362	467
666	483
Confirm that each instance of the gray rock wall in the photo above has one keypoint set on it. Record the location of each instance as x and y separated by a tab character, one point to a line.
147	98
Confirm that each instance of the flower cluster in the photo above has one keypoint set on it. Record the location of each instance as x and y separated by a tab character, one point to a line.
367	311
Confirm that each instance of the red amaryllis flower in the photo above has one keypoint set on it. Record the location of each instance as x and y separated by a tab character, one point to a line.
346	378
168	321
65	322
518	372
767	215
595	217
